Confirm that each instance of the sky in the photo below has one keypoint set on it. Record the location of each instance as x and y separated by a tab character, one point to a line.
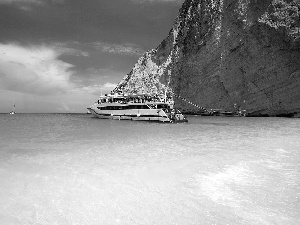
58	56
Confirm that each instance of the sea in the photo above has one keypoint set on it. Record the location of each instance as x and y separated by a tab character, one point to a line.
77	169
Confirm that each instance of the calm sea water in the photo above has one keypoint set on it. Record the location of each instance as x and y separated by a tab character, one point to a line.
75	169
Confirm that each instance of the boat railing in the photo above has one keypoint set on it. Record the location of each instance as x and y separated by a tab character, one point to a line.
132	100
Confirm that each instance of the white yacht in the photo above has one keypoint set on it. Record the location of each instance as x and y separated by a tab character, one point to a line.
142	107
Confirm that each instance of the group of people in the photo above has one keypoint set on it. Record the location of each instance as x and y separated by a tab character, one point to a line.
123	99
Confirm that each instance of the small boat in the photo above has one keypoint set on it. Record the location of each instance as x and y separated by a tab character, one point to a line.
137	107
13	111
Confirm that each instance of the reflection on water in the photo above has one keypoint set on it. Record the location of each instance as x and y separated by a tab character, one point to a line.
74	169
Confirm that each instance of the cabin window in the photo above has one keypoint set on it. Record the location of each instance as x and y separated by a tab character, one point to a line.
123	107
138	107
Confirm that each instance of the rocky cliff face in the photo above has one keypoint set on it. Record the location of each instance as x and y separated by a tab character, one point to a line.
226	54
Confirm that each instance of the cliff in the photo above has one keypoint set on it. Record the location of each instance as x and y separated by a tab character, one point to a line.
228	54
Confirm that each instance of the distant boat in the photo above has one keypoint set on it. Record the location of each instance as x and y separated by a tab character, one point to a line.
14	111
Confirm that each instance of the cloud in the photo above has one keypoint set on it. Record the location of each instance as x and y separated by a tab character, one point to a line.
98	89
26	4
109	85
38	81
29	1
34	70
125	49
64	50
158	1
20	1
